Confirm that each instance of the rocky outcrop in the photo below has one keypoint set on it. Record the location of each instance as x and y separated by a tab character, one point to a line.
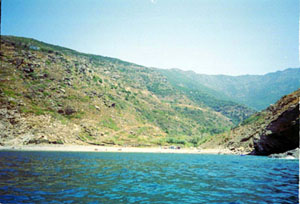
274	130
20	129
282	134
292	154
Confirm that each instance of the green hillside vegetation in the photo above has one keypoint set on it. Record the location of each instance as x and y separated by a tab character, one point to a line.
188	84
71	97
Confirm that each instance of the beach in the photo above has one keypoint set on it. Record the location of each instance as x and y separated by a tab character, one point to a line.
95	148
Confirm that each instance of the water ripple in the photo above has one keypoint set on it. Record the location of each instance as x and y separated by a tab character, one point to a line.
57	177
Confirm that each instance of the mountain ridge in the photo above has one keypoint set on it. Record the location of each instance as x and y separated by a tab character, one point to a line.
74	51
252	90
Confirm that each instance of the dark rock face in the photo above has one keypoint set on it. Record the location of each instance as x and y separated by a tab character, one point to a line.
282	134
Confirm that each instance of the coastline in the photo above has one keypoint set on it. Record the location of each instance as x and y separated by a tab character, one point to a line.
94	148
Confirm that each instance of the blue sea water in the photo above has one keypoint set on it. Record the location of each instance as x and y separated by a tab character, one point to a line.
81	177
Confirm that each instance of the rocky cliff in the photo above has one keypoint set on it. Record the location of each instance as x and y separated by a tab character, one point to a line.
274	130
282	133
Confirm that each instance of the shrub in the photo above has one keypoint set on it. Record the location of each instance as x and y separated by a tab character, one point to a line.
109	123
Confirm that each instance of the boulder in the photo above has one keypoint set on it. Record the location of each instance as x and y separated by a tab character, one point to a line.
291	154
69	110
28	70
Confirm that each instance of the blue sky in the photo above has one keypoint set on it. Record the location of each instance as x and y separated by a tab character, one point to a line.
207	36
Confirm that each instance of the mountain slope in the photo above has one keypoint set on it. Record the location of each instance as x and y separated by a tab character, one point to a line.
274	130
255	91
188	84
51	94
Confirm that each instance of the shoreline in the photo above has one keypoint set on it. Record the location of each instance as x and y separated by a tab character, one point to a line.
94	148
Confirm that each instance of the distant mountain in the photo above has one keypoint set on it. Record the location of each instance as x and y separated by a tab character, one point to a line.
255	91
274	130
51	94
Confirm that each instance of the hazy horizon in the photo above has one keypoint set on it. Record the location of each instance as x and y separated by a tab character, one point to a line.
207	37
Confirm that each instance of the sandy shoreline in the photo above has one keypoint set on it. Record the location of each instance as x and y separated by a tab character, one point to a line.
94	148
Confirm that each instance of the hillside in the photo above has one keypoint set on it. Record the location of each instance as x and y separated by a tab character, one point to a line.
273	130
51	94
255	91
187	83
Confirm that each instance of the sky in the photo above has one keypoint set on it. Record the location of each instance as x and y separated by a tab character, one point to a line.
233	37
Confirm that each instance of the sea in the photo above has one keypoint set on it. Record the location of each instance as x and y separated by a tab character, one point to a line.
97	177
